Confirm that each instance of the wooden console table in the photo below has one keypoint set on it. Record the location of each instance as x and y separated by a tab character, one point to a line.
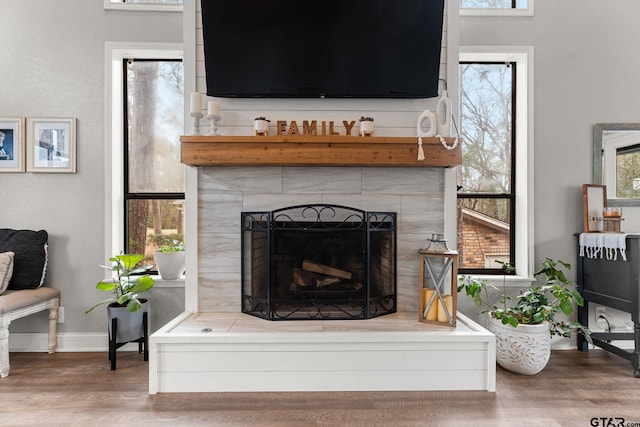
614	284
316	150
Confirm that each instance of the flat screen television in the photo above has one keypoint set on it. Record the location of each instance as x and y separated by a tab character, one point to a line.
322	48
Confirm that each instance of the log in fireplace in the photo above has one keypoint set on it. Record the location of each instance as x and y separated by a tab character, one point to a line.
318	262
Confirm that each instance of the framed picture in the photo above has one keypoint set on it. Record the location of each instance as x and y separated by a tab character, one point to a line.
594	201
11	145
51	145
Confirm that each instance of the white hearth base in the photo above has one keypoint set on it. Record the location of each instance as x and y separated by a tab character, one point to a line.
234	352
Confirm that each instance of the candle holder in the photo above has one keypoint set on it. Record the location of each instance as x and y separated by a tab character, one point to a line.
213	123
196	122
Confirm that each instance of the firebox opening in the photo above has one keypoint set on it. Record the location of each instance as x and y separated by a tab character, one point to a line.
318	262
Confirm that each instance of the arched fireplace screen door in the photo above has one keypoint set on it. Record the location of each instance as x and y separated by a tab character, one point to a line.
318	262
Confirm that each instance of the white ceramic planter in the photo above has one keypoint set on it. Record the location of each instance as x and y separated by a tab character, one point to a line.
170	264
366	128
523	350
261	127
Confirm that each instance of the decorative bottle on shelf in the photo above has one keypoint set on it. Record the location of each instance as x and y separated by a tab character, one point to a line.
443	113
427	124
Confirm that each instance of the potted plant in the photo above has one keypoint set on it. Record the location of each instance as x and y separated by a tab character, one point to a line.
366	126
524	324
261	126
170	259
128	280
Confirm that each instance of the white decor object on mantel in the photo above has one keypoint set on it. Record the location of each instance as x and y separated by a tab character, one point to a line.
366	126
443	114
427	125
443	141
261	126
213	115
195	111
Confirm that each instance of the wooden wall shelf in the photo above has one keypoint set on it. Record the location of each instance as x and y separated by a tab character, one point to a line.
325	150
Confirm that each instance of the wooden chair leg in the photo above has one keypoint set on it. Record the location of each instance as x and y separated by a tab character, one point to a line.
53	328
4	347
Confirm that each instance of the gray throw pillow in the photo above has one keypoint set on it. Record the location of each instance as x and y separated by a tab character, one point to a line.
6	270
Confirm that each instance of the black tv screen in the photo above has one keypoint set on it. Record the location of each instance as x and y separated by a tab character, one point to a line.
322	48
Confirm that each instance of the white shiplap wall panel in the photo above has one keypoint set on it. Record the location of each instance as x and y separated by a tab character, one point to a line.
417	198
241	124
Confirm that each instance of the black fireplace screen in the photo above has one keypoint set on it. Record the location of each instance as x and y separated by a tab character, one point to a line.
318	262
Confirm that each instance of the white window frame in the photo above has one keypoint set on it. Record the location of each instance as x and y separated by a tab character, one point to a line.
115	53
523	57
528	11
141	7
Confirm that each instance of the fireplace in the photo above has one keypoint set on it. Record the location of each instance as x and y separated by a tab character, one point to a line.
318	262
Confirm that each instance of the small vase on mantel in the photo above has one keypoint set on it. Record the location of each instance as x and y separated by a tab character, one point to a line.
366	126
261	126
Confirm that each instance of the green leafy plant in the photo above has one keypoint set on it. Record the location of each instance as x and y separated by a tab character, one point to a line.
128	281
171	246
535	305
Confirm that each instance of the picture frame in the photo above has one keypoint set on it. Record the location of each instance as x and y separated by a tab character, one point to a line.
12	144
51	144
594	200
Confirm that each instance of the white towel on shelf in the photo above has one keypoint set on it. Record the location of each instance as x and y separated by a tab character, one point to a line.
603	245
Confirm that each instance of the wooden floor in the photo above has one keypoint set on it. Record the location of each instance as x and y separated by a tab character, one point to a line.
79	389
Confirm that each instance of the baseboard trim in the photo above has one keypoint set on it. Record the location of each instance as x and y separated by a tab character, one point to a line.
67	342
89	342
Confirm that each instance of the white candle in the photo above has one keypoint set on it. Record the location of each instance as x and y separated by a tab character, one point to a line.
213	108
196	102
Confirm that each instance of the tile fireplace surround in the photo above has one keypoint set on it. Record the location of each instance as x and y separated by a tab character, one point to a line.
416	194
218	349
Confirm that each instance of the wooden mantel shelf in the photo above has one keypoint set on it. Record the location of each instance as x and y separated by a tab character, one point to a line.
320	150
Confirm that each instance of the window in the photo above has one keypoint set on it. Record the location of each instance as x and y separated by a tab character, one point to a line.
124	187
486	179
496	7
494	182
153	174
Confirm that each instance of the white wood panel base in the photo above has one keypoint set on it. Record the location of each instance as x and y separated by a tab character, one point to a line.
351	357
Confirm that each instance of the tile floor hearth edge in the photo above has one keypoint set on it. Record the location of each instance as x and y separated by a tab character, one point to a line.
238	323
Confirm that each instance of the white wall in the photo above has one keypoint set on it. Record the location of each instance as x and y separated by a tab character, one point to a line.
52	64
586	72
51	58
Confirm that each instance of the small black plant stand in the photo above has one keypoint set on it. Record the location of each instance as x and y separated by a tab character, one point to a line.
143	342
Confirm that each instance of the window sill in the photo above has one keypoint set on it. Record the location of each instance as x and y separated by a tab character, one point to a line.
512	282
161	283
142	7
497	12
